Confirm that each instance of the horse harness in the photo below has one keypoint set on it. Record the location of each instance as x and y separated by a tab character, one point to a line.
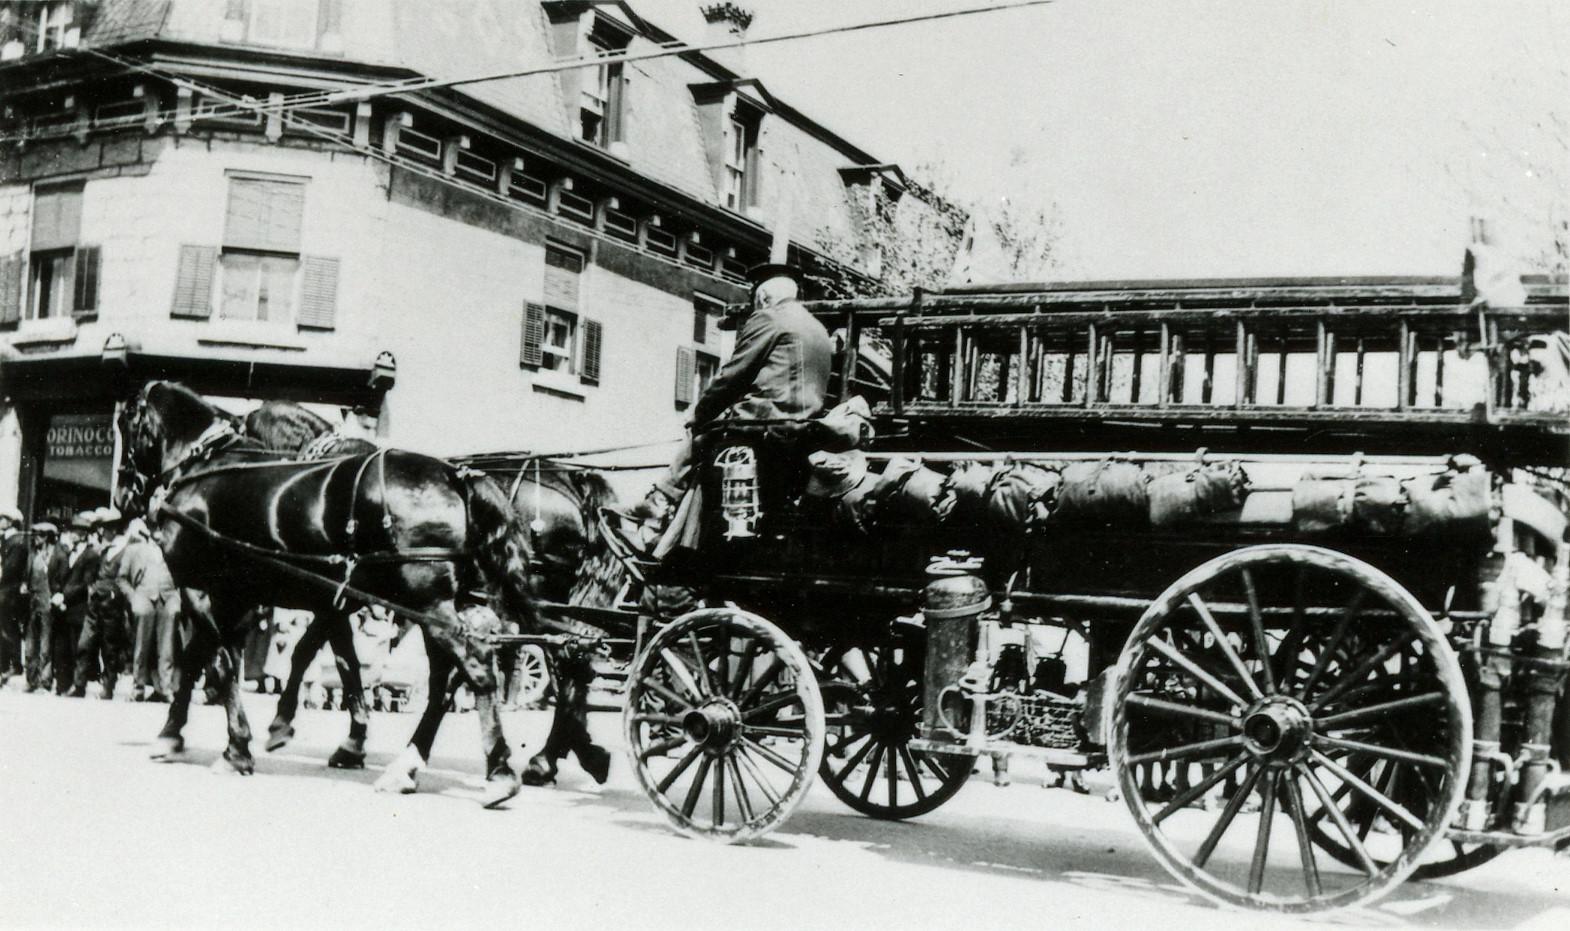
219	440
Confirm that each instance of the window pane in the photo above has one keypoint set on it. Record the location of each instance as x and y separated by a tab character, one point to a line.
556	348
264	215
275	297
241	284
50	285
706	367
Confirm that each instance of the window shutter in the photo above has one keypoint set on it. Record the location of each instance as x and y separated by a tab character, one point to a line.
686	371
193	283
593	335
318	292
264	215
533	335
57	219
10	289
700	323
85	299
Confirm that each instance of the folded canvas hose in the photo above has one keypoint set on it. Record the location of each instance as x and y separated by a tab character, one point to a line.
1110	492
1209	488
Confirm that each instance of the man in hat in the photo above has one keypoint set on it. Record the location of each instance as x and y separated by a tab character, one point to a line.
71	601
103	637
155	612
779	371
43	571
13	604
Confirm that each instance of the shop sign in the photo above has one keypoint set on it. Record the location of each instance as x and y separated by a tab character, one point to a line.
81	436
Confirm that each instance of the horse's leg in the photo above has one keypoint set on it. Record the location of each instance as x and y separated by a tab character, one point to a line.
281	731
351	753
193	659
238	754
572	673
476	663
403	774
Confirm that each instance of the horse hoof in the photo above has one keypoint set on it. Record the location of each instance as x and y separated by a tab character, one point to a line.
541	771
596	761
344	758
167	748
499	788
396	783
279	735
238	765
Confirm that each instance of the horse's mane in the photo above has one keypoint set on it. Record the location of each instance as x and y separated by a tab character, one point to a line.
182	411
593	489
284	426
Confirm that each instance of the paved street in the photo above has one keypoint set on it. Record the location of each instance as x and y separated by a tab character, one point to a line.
94	834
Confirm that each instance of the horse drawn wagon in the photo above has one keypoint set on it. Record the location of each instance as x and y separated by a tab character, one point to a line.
1288	560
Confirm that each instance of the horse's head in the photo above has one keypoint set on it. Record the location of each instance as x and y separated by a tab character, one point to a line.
156	427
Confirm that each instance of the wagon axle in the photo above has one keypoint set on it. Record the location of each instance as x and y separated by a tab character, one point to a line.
1277	730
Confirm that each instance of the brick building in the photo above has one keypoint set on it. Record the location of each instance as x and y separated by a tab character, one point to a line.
525	263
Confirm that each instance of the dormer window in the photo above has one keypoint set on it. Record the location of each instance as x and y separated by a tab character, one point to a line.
54	23
599	113
288	23
593	94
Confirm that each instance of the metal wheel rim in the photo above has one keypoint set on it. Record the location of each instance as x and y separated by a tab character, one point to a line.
650	724
1446	669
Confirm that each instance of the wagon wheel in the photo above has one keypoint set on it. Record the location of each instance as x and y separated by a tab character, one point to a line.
724	724
1411	788
874	713
1352	680
532	676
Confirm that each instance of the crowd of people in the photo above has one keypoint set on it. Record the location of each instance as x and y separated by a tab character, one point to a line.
90	601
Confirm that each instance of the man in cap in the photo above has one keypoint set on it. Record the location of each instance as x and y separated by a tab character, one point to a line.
13	604
779	371
155	613
103	635
43	571
71	601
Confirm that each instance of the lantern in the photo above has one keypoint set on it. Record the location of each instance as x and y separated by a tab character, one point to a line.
739	491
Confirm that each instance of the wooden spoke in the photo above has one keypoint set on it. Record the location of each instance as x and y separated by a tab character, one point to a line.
702	663
743	667
1329	805
1362	670
1193	792
695	791
745	759
844	743
1189	666
1387	753
1223	644
893	775
1267	817
1186	751
681	767
1360	785
861	754
766	679
774	704
682	674
718	795
915	774
770	755
1256	623
657	749
664	720
667	694
1380	710
1233	806
872	772
769	730
1161	705
1328	652
1305	845
743	800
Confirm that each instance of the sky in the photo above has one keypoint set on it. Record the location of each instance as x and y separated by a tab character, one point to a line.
1185	138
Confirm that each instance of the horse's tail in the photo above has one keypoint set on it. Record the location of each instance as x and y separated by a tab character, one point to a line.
501	548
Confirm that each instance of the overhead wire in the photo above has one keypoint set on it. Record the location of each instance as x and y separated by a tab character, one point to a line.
366	91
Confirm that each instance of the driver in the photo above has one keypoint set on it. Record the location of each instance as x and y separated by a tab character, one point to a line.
778	371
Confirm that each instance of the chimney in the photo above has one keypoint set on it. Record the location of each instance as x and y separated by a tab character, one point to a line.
727	22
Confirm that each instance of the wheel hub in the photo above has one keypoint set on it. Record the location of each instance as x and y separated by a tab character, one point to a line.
714	725
1277	730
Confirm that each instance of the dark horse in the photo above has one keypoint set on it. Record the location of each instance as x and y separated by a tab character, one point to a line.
560	505
232	519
